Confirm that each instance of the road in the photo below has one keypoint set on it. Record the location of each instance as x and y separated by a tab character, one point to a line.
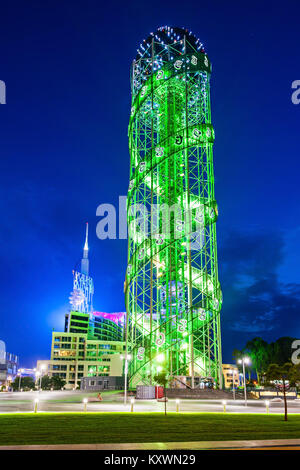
68	401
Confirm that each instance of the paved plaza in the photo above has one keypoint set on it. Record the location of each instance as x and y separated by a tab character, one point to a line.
72	401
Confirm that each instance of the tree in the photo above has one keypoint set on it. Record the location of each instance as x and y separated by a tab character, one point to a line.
258	352
57	382
237	355
280	350
162	379
287	373
26	383
45	382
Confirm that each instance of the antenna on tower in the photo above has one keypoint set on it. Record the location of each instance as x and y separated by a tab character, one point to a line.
85	259
86	246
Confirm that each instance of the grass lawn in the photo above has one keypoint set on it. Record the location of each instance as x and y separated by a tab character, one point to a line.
84	428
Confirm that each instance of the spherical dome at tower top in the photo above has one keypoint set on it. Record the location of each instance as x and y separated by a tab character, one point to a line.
180	39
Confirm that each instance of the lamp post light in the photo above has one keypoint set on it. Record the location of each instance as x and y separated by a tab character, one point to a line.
267	406
85	400
9	379
224	402
43	367
37	374
233	387
36	405
244	360
177	405
132	403
127	358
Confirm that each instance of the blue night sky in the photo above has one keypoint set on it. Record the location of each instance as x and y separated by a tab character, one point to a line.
64	151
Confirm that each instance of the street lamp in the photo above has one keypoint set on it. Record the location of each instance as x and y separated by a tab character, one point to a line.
127	358
36	405
233	387
37	374
85	400
43	367
244	360
20	376
132	403
267	406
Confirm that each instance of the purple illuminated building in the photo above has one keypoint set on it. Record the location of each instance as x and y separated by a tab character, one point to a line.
107	326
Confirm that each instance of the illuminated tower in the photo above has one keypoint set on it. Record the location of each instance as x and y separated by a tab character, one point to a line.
81	297
173	296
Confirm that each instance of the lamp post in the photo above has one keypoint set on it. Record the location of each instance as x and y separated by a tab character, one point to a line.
37	375
267	406
43	367
244	360
36	405
85	400
233	387
127	358
9	379
20	376
132	403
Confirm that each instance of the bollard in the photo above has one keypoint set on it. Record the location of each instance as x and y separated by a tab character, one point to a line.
85	400
177	405
267	406
36	405
224	402
131	402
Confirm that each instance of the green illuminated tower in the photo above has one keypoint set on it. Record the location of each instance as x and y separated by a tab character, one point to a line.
173	296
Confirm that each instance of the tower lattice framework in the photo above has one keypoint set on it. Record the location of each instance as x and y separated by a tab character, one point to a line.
173	296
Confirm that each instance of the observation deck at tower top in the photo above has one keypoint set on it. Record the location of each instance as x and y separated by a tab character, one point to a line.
166	36
161	49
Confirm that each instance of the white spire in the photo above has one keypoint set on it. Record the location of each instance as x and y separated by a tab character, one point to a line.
85	258
86	246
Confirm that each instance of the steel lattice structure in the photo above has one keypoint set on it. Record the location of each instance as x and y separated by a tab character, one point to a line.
173	296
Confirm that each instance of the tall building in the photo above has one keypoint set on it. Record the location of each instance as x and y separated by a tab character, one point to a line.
8	366
92	342
172	291
81	297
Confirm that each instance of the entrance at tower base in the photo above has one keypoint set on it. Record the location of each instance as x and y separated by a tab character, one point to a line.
185	382
182	382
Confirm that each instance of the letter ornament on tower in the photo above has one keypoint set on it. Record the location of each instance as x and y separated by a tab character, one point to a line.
173	296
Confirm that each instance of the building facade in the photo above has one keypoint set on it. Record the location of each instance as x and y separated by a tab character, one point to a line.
95	384
8	366
74	356
230	372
